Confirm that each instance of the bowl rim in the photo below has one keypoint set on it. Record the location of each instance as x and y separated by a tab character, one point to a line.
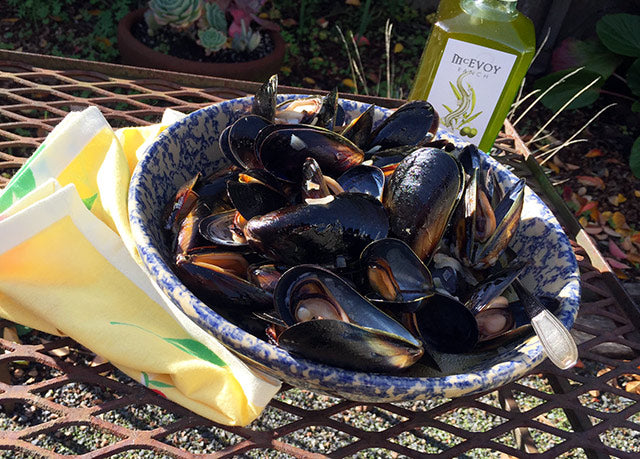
277	361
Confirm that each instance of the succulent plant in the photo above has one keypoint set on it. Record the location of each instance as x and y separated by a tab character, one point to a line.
179	14
211	40
215	17
206	21
246	40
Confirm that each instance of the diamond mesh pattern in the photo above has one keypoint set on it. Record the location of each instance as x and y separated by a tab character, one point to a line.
59	399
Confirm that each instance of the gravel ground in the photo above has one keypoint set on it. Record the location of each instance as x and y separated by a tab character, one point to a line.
83	439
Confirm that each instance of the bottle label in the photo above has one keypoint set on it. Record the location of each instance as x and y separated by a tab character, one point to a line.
467	87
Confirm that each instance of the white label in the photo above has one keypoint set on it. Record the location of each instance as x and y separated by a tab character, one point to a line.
467	87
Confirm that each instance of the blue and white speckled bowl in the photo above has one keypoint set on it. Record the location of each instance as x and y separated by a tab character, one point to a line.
191	145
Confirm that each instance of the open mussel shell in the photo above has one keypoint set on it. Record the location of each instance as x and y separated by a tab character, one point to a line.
307	292
445	324
398	277
365	336
420	197
414	123
493	286
183	202
507	215
221	229
265	275
283	151
363	178
188	237
219	285
321	233
517	324
349	346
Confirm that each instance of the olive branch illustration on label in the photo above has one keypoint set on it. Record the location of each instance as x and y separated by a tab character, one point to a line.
462	115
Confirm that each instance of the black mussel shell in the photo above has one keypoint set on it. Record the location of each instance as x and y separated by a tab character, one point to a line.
395	274
188	237
314	184
213	191
298	111
450	276
242	137
507	215
264	102
221	288
420	197
183	202
254	198
322	233
492	287
414	123
520	325
349	346
445	324
359	130
223	143
363	178
304	283
283	151
220	229
265	276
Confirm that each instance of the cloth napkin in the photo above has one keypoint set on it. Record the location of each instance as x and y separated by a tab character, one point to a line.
69	266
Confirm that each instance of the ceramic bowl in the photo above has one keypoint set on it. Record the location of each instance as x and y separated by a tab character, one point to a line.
191	145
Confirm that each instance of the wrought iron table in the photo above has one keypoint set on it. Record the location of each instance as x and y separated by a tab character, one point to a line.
59	399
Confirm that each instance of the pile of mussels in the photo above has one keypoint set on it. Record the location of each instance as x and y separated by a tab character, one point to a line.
361	248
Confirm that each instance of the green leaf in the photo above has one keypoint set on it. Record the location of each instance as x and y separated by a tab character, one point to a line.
634	158
590	54
190	346
154	383
635	107
633	77
558	96
196	349
18	188
620	33
88	202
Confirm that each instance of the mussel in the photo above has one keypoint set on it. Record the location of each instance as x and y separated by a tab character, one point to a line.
329	321
420	197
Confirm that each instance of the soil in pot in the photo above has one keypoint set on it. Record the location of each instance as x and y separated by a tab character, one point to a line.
176	44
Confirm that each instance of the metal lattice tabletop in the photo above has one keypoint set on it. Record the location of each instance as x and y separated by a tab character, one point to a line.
59	399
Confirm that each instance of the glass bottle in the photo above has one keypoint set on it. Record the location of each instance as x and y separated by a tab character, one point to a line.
476	57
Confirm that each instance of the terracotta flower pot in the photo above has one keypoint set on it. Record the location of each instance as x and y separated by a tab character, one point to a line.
133	52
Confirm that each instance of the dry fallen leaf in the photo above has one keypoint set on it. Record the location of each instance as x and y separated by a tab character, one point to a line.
617	200
11	334
616	264
594	153
616	251
60	352
588	180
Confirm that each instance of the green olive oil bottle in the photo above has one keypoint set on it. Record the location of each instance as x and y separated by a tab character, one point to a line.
476	57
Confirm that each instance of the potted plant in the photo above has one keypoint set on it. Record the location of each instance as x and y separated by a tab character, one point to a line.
224	38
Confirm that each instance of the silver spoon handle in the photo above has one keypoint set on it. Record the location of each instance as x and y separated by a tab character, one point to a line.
556	340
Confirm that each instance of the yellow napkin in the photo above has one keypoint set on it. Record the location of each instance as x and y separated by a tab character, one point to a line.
69	266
